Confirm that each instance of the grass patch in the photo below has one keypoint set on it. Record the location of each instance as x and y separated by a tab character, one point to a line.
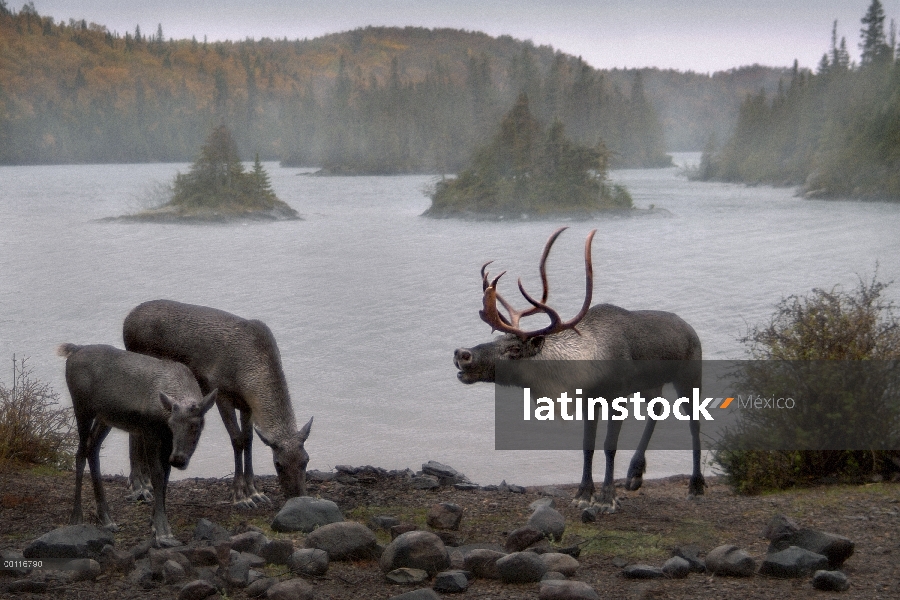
632	545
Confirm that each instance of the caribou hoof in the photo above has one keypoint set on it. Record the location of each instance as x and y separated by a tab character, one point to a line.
244	503
111	527
141	495
168	541
260	498
697	487
634	483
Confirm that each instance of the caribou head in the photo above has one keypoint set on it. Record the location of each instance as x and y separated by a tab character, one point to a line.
478	363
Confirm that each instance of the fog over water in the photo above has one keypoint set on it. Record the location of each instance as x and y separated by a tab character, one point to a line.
368	300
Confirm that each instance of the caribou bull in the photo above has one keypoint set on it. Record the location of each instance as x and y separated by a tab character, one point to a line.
604	333
157	401
240	358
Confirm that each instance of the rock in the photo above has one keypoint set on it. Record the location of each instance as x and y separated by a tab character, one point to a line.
619	562
305	514
449	538
27	586
254	560
589	514
422	594
260	587
237	574
691	553
157	559
424	482
407	576
676	568
836	548
444	474
277	552
74	541
116	561
83	569
541	502
730	560
830	581
466	487
172	572
792	562
292	589
780	527
562	563
346	540
450	582
416	550
317	476
445	515
384	522
196	590
523	537
310	562
142	576
401	529
640	571
249	541
482	562
11	556
566	590
201	556
207	531
521	567
549	521
516	489
553	576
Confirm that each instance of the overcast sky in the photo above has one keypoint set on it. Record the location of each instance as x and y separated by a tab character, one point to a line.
703	36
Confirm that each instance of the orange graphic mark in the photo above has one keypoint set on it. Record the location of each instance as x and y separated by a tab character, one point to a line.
726	403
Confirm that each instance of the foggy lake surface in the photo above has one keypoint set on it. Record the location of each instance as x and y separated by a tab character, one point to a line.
368	300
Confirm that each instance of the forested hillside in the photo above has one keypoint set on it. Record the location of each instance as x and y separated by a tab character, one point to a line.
836	132
375	100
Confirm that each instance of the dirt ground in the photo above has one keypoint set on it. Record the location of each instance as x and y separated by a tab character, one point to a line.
647	525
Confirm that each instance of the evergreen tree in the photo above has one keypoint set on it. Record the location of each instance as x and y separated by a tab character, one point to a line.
873	43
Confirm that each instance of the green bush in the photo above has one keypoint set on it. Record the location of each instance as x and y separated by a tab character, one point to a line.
822	326
34	428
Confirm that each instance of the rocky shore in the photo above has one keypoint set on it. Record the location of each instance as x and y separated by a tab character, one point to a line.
364	532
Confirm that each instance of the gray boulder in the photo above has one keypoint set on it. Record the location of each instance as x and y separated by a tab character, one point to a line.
445	515
521	567
201	556
416	550
196	590
172	572
731	561
450	582
74	541
424	482
561	563
422	594
444	474
346	540
304	514
549	521
310	562
792	562
83	569
292	589
277	552
640	571
836	548
830	581
676	568
207	531
249	541
691	553
482	562
522	538
407	576
566	590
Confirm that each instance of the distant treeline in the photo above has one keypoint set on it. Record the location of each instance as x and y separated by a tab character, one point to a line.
836	132
368	100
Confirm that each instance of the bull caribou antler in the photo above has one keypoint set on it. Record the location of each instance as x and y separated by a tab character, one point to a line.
497	321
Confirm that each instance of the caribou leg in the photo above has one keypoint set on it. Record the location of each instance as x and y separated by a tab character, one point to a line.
586	489
697	485
249	482
227	409
139	478
159	450
607	499
98	433
638	465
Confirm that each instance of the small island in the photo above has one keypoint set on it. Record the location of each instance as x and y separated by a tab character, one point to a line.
525	171
218	189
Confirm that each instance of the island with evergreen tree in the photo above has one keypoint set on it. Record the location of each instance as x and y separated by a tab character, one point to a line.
528	171
218	188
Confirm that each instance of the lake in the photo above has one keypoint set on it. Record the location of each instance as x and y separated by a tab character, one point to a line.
368	300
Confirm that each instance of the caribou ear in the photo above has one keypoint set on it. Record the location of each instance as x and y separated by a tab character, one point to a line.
265	441
304	431
534	344
208	401
166	401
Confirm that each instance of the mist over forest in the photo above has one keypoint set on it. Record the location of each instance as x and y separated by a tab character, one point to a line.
372	100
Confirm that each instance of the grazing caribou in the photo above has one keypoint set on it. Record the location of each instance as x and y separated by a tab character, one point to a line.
157	401
604	333
240	358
